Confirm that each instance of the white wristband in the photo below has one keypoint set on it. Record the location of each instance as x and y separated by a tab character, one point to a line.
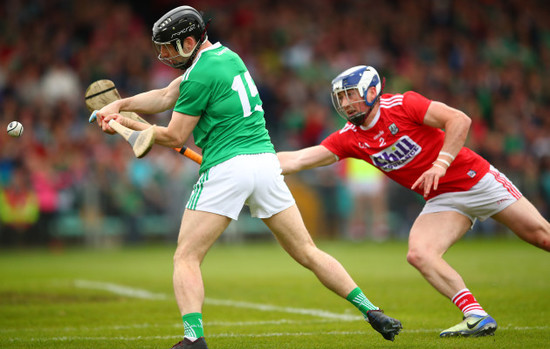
447	154
444	161
438	165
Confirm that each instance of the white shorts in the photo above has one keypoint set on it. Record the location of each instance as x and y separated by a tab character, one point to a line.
492	194
254	180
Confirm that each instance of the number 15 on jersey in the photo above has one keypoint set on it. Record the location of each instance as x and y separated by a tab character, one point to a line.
241	86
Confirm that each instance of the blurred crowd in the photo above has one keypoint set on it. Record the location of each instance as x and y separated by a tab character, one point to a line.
63	177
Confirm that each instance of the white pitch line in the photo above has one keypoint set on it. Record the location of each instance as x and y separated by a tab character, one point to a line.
178	325
268	322
274	308
240	335
144	294
220	335
120	290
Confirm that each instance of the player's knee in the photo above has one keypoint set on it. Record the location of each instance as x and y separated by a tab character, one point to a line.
178	256
543	237
538	236
412	258
183	255
307	256
545	244
417	258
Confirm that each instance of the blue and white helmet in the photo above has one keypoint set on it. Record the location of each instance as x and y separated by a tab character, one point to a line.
359	78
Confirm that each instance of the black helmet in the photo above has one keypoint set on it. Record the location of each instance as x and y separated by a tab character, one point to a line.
172	28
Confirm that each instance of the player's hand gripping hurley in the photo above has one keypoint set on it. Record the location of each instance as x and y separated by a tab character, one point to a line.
141	141
102	92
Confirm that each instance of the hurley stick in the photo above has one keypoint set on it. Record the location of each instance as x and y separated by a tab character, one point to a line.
141	141
102	92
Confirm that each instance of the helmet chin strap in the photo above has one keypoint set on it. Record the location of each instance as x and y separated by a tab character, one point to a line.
359	118
180	49
193	53
190	56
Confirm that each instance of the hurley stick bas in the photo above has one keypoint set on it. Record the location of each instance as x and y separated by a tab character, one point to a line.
141	141
102	92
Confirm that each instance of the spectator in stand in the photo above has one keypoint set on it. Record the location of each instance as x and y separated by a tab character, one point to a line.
19	210
291	49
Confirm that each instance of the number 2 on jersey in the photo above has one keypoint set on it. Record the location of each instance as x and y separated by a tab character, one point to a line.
239	86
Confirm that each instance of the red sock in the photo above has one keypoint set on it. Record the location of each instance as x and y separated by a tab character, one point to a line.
467	303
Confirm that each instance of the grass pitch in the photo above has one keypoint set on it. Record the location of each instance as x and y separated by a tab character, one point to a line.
258	297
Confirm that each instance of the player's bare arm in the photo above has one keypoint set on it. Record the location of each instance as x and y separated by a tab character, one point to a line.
304	159
456	125
150	102
173	135
154	101
177	131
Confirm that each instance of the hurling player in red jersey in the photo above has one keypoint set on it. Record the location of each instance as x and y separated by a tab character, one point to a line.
402	135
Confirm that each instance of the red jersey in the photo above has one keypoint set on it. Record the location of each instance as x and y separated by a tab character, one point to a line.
399	144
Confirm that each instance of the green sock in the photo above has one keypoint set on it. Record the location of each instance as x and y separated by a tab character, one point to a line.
192	325
357	298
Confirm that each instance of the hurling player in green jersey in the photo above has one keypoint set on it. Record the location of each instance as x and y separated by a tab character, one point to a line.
217	100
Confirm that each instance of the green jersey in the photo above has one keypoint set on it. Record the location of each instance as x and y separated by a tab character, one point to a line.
219	89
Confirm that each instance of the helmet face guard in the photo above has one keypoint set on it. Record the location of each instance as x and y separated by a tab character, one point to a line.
170	31
350	84
352	104
176	57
